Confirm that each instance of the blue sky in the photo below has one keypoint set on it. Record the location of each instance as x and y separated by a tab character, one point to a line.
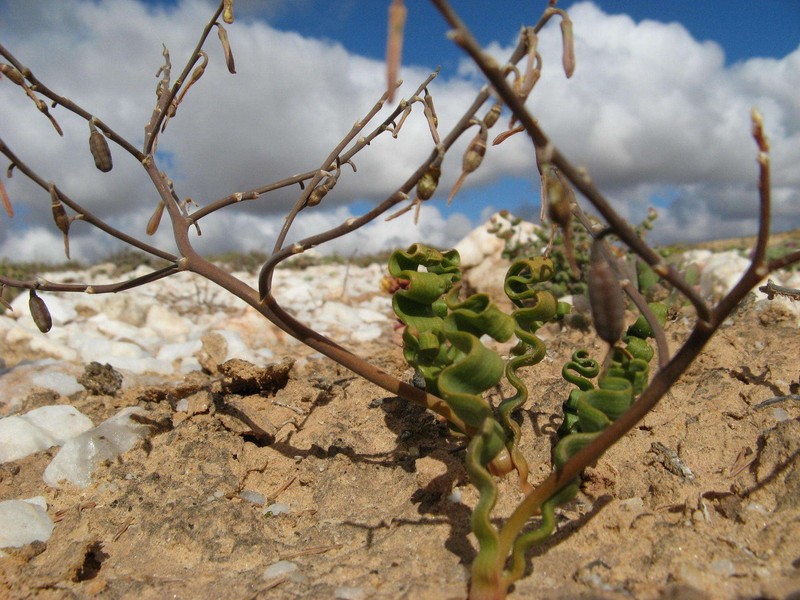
658	111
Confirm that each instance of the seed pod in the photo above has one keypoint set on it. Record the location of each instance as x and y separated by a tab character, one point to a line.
226	48
227	11
319	192
394	45
196	75
493	115
60	216
41	316
428	182
98	145
605	296
502	137
428	100
152	224
6	201
473	157
12	73
568	43
559	198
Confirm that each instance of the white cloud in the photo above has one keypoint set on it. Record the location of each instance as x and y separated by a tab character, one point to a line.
648	108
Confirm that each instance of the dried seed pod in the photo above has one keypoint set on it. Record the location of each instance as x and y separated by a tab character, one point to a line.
502	137
41	316
605	296
428	99
475	151
6	201
98	146
12	73
60	216
493	115
319	192
3	301
196	75
426	186
227	11
473	157
152	224
568	42
226	48
394	45
428	182
559	198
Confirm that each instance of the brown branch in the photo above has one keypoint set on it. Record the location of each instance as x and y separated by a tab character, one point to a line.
166	99
86	215
578	178
41	88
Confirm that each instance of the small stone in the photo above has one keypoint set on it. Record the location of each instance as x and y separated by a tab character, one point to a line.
101	380
282	568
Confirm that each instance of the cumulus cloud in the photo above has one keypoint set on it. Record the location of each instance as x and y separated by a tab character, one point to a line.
650	112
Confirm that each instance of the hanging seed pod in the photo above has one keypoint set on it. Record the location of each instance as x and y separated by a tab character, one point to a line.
12	73
559	197
196	75
3	301
41	316
152	224
227	11
605	296
502	137
319	192
6	201
473	157
60	216
98	145
428	99
426	187
394	45
568	43
493	115
226	48
427	183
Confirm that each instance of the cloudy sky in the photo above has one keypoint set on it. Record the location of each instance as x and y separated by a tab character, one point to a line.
658	111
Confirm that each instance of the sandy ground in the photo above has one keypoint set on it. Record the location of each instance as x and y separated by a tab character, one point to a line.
368	481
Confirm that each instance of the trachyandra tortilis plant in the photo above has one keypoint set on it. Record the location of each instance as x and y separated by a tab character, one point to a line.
442	336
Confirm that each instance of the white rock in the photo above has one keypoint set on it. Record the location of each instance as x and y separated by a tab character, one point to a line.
44	344
126	308
80	456
721	273
20	438
61	421
24	521
167	324
39	429
349	593
366	333
236	346
282	568
119	330
179	356
277	508
57	381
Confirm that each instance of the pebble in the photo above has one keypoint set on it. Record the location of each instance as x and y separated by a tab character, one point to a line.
282	568
23	522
